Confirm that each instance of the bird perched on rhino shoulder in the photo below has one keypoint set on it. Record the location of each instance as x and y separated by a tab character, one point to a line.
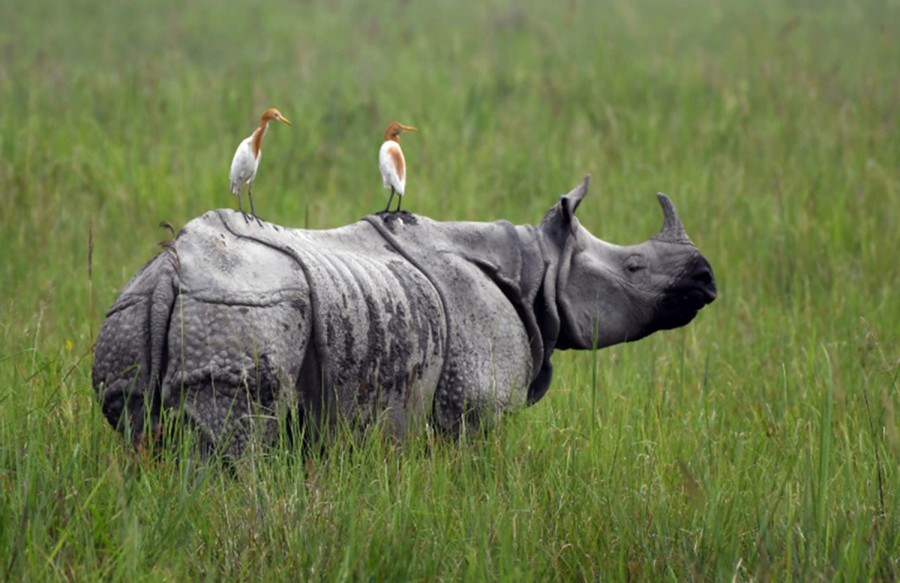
392	163
246	160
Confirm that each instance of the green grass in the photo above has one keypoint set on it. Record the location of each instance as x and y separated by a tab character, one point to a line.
760	442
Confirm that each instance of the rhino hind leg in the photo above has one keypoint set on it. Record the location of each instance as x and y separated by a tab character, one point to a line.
131	351
227	414
233	369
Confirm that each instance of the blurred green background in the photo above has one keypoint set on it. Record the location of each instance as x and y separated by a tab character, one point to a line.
772	125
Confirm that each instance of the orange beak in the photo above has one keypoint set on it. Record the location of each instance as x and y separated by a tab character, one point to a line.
286	120
408	128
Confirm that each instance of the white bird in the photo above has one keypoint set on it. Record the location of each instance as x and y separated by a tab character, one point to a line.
246	160
392	163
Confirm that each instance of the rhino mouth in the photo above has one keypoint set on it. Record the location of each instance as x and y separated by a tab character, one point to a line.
682	303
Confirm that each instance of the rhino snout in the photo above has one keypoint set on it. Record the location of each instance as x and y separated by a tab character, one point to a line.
693	290
705	283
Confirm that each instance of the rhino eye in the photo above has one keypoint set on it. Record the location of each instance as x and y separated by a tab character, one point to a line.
634	264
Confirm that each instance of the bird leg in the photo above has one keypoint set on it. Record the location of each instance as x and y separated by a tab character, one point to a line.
399	202
387	209
241	208
253	212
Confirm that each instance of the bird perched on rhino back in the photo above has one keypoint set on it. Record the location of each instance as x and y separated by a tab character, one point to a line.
246	160
392	163
234	329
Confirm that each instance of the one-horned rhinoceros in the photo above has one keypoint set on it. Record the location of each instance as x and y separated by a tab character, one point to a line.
396	318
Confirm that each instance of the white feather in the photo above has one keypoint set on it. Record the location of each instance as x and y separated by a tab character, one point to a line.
244	166
389	174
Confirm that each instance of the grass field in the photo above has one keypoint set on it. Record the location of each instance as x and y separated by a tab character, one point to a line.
760	442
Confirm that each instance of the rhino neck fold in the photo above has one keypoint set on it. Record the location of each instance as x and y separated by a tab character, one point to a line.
378	225
512	257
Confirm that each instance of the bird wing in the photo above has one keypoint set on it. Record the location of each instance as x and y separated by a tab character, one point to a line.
243	166
393	166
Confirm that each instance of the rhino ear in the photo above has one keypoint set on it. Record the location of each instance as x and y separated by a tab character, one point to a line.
559	218
569	202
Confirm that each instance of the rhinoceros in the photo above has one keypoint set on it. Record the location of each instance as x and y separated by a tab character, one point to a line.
396	318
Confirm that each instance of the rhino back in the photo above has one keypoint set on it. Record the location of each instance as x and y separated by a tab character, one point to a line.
352	326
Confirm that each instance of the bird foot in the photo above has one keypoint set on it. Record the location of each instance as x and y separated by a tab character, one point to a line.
405	217
248	217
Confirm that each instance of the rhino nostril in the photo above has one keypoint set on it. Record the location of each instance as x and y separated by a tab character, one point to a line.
703	277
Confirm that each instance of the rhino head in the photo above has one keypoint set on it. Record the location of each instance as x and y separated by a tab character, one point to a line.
607	294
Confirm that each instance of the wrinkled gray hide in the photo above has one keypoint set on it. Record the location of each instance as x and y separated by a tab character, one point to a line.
395	317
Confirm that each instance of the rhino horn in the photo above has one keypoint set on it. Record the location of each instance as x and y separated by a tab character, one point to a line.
672	230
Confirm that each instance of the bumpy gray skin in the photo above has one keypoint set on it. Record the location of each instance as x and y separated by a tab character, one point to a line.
396	318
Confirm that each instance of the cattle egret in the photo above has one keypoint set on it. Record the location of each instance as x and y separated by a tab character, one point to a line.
246	160
391	162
